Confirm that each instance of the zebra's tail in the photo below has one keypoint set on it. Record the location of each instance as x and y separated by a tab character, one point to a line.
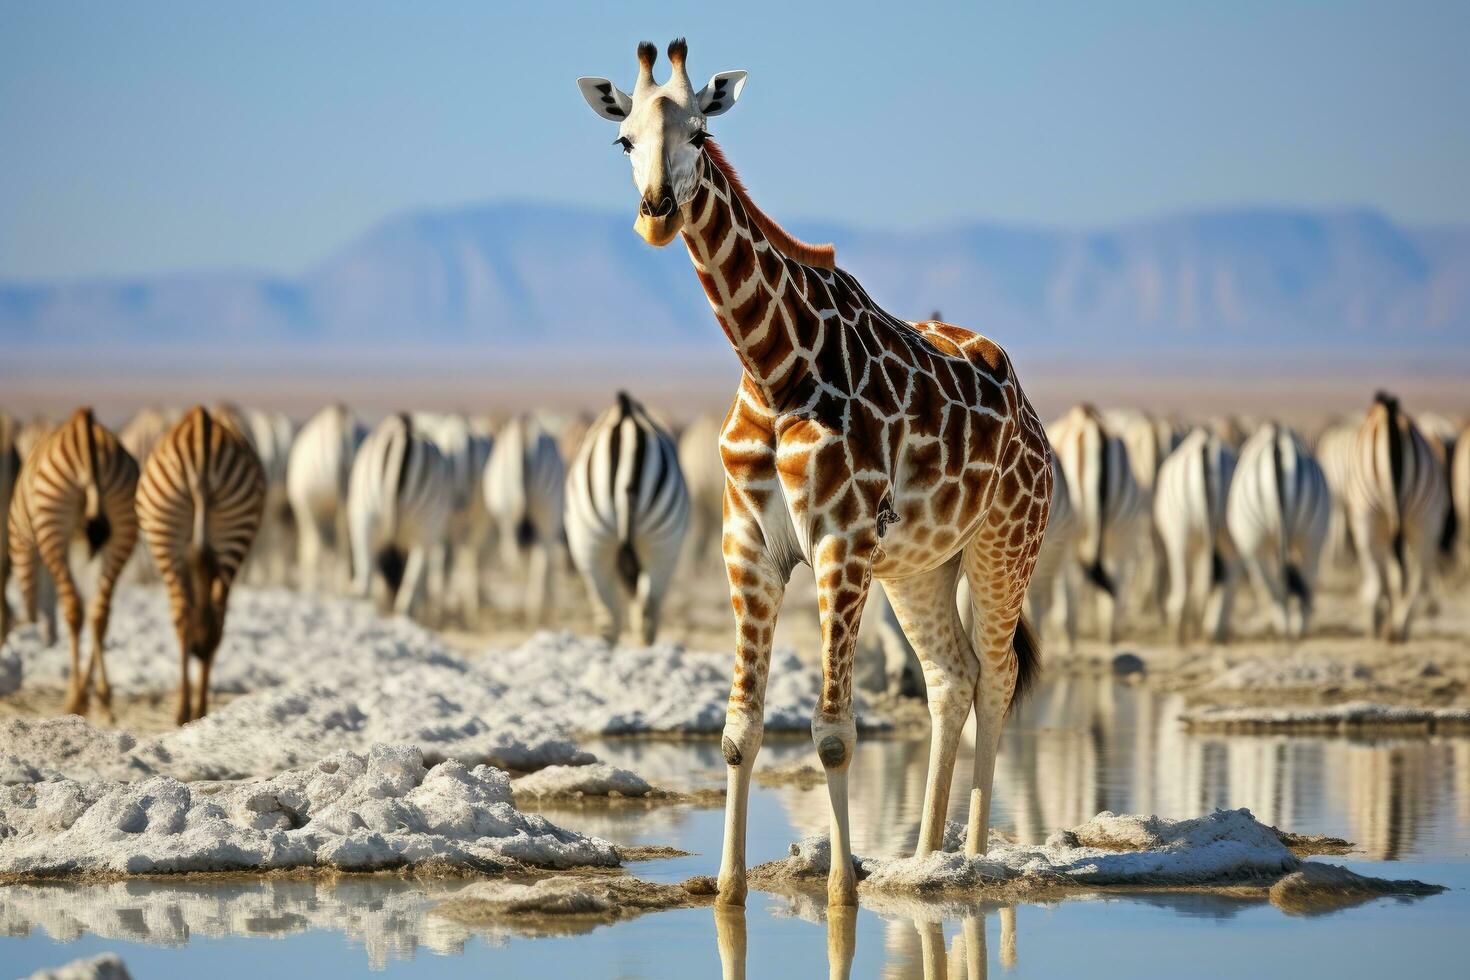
1395	471
1099	576
96	527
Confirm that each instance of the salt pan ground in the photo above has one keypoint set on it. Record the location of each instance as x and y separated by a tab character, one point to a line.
347	812
327	675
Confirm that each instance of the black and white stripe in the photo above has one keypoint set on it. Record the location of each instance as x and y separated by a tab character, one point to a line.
200	502
1397	501
1277	512
398	503
1189	516
1052	575
525	480
627	511
318	470
72	523
1107	501
454	567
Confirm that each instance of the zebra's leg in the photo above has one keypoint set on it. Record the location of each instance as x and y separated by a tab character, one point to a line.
757	586
599	565
1219	604
924	605
97	661
409	601
1267	592
201	697
1067	589
1372	550
842	565
1176	558
77	688
539	584
1415	561
308	553
184	713
653	585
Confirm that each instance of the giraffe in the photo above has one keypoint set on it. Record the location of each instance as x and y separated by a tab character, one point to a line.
863	445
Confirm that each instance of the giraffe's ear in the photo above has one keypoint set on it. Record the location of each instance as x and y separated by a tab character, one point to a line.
605	98
721	92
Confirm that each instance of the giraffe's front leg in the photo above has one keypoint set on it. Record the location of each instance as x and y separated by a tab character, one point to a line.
843	565
757	586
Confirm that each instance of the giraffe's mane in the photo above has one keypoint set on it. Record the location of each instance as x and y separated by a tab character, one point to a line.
819	256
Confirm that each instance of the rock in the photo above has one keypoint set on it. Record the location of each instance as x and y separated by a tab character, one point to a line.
597	779
1128	664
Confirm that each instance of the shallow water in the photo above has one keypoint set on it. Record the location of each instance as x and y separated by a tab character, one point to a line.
1078	747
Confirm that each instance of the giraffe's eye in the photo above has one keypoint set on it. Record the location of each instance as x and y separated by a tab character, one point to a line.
697	140
625	143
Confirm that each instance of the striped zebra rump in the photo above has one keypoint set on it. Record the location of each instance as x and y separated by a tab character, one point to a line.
627	511
201	501
1335	450
524	486
398	508
1104	492
1190	517
75	508
1278	509
72	515
1398	479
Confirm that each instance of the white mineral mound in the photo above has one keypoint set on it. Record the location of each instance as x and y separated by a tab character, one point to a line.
1111	850
347	811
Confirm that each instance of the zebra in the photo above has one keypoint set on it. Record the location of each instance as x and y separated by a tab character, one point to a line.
454	561
524	484
9	473
317	473
1335	449
1189	513
1149	440
627	511
1108	505
271	434
398	502
72	513
201	500
704	474
1277	512
1397	501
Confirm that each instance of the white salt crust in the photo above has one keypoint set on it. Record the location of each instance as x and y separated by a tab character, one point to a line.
348	812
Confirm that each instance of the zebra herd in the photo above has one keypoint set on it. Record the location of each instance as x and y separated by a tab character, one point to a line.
1189	509
407	513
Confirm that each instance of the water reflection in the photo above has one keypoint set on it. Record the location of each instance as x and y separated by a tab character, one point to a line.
1089	744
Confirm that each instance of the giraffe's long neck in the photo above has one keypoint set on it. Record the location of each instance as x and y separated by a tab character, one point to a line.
767	303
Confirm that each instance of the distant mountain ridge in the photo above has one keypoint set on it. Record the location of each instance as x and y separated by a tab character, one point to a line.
534	276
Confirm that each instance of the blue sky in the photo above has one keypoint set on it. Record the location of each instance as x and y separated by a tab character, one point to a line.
144	137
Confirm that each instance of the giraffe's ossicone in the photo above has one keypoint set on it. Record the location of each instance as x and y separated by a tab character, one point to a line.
861	444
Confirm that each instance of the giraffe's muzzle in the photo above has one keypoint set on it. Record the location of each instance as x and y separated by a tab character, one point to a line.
659	220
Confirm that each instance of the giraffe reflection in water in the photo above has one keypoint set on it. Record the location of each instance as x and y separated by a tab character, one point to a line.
914	948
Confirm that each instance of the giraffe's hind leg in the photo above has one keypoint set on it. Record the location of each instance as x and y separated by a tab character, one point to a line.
998	563
925	607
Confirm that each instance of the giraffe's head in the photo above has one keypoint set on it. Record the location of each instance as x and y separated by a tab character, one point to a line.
661	129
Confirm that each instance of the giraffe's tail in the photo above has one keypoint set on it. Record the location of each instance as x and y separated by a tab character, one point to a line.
1027	646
